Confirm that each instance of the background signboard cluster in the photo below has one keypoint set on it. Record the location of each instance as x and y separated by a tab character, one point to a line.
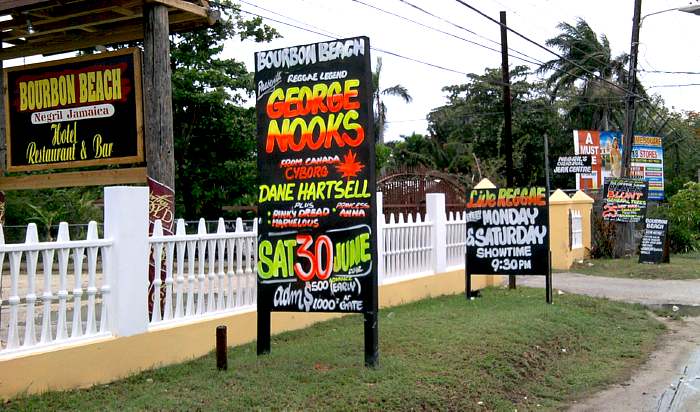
606	149
625	200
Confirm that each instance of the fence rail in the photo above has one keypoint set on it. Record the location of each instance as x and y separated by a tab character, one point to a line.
407	247
220	270
98	289
456	244
59	319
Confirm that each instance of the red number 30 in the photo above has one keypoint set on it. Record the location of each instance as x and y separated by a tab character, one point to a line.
314	257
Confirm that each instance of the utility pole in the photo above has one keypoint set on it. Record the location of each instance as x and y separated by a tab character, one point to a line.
507	110
631	86
625	230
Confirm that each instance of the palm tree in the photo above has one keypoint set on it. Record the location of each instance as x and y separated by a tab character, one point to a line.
379	106
587	58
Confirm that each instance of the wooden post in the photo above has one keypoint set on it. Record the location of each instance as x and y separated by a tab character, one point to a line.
158	129
158	110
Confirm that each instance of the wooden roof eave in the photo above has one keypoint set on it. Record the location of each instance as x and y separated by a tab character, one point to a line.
88	32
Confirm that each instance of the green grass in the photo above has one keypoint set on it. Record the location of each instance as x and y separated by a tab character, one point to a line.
685	266
508	350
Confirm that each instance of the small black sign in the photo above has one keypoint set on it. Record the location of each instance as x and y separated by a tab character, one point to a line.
625	200
573	164
654	248
508	231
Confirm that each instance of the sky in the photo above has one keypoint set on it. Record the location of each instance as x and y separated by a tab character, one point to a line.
665	42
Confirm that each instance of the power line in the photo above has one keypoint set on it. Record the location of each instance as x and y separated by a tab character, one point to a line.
472	32
290	18
372	47
546	49
436	29
666	71
672	85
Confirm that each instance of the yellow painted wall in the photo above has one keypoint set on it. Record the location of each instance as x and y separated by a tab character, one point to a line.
108	359
584	203
559	206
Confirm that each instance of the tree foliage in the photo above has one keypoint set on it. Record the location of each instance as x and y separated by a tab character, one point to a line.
215	146
377	98
467	132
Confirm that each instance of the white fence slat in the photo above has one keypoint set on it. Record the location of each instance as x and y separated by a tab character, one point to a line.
13	327
212	278
105	252
91	325
77	329
47	296
157	256
32	258
230	296
180	231
240	292
220	245
168	307
63	259
248	251
201	254
191	250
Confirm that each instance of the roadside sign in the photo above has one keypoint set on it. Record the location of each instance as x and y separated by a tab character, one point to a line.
317	248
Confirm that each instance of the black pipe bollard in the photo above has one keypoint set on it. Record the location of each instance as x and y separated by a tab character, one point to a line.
221	349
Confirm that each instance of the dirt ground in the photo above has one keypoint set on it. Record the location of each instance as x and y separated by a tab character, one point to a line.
667	381
653	386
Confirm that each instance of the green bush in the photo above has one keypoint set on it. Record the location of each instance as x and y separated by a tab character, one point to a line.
683	214
603	245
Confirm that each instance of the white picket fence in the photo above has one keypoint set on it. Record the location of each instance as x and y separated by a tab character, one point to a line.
58	320
407	247
220	271
456	245
202	275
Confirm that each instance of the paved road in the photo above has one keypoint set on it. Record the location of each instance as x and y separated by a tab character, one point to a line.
649	292
670	379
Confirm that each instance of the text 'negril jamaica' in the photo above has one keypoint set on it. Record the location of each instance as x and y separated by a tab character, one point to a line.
334	108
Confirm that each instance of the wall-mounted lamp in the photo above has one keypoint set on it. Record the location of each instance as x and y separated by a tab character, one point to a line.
30	28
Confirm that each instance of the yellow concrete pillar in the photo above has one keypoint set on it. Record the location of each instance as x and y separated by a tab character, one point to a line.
487	280
583	203
559	204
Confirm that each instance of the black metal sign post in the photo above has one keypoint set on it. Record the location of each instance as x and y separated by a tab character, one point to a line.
548	279
317	231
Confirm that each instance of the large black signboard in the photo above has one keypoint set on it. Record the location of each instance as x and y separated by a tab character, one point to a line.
317	232
654	247
78	112
507	232
625	200
573	164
